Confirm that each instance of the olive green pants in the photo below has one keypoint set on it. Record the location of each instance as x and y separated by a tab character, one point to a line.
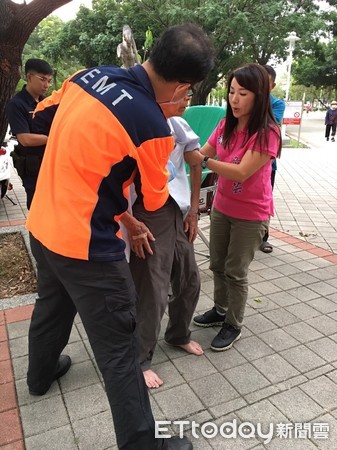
233	243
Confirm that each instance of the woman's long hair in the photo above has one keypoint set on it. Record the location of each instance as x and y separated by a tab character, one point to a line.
254	78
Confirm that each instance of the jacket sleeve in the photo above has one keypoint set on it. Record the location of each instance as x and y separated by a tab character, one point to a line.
17	118
184	135
326	122
152	157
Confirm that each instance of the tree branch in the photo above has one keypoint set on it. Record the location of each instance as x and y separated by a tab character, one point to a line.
19	20
11	12
39	9
8	11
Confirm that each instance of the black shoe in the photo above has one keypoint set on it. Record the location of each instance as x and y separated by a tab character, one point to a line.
210	318
62	368
225	338
327	139
177	443
333	139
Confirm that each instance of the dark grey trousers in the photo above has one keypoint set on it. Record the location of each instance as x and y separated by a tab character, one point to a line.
331	128
103	293
172	260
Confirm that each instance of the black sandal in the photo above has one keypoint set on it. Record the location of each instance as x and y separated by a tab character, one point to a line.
266	247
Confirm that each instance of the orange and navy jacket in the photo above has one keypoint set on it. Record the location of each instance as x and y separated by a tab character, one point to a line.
103	125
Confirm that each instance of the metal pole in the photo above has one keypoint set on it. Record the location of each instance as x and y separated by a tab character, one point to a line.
300	126
289	71
292	38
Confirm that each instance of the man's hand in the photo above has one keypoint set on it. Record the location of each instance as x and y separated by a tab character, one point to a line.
139	235
191	226
140	242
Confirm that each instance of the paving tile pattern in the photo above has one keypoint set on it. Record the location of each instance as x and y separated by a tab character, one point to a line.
282	370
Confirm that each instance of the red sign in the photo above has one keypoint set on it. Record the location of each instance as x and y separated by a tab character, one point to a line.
292	113
292	121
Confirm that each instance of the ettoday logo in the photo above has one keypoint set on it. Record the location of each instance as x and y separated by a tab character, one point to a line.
244	430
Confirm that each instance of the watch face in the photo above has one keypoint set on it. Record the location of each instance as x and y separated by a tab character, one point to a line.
204	162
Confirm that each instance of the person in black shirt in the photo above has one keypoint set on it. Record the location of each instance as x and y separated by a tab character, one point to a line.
28	154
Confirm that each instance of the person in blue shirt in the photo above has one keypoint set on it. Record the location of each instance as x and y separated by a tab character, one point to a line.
278	107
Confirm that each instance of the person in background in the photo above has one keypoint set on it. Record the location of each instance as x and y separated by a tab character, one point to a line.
28	154
278	106
331	121
103	125
244	142
167	255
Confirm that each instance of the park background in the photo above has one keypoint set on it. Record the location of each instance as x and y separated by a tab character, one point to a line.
84	33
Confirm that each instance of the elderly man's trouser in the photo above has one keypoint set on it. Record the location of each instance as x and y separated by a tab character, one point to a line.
103	293
331	128
173	260
233	243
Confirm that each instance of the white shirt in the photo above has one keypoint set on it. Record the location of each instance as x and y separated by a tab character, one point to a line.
185	141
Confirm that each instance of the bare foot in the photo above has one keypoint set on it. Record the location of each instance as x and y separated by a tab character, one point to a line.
152	380
192	347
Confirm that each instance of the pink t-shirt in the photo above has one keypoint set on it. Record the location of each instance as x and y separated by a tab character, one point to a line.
252	199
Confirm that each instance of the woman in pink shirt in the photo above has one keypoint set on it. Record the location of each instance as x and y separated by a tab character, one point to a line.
244	144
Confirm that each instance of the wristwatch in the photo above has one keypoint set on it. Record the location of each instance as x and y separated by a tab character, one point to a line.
204	162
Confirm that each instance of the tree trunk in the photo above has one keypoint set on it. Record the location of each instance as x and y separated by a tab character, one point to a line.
204	88
17	23
10	72
200	97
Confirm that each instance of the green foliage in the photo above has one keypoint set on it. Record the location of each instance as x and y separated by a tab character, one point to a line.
242	31
294	143
148	42
278	92
309	93
318	67
317	64
40	45
93	38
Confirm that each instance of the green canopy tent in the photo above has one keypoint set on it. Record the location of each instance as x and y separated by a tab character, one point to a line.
203	120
